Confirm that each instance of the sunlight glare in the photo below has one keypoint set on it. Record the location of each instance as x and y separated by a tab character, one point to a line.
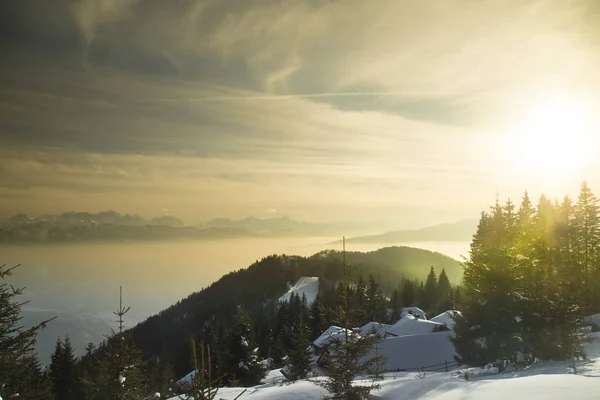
555	139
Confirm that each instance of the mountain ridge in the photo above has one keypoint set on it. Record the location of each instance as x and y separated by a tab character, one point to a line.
462	230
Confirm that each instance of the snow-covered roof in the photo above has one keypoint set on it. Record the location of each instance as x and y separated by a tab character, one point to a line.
409	325
414	311
415	351
330	334
592	319
308	286
187	380
447	317
378	327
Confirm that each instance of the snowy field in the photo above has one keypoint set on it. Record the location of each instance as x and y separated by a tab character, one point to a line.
547	380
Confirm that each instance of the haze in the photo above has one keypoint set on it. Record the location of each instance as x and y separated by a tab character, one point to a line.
321	110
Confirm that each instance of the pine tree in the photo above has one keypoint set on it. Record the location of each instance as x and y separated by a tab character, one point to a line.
587	245
19	370
118	374
239	358
408	297
375	302
444	292
66	382
300	356
430	299
348	355
488	330
394	306
317	320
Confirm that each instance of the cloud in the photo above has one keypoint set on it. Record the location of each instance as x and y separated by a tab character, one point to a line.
387	105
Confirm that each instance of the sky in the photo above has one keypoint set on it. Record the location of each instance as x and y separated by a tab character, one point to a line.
318	109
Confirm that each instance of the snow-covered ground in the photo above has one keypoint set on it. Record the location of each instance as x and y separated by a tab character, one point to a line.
308	286
548	381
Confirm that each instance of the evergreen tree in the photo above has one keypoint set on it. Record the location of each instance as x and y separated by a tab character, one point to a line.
19	370
430	299
375	302
299	356
118	370
317	320
239	359
408	297
66	382
587	245
347	354
394	306
488	330
444	294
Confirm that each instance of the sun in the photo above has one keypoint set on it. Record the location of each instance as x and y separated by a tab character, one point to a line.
555	138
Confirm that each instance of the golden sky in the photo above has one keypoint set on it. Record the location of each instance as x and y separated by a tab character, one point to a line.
318	109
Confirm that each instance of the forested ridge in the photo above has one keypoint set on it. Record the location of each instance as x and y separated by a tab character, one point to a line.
258	287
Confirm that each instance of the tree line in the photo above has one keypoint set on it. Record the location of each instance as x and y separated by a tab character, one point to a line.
532	273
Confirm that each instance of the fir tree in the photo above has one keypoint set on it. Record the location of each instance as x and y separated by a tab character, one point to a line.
66	382
408	297
587	245
444	290
118	370
488	330
239	358
19	370
299	356
430	300
348	355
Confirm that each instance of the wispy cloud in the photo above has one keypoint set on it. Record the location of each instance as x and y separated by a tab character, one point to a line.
388	105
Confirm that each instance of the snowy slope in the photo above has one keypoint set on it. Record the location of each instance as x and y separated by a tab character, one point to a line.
409	325
308	286
546	381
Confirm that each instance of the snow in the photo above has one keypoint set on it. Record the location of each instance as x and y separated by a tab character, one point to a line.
593	319
415	351
329	335
409	325
412	311
308	286
543	381
379	328
447	317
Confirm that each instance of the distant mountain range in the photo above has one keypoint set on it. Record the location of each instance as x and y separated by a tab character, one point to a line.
454	232
113	226
283	226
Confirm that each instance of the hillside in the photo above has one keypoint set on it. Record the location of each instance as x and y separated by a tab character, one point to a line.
412	261
257	287
457	231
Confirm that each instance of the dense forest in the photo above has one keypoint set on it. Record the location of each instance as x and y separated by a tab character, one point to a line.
532	274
